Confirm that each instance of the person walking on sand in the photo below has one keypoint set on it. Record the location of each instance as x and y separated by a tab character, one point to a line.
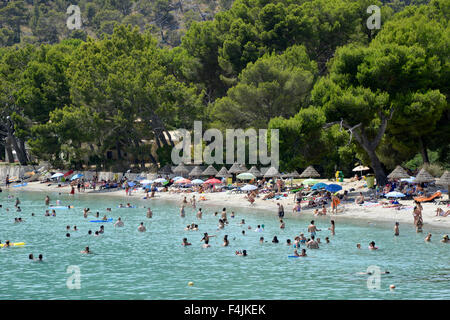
334	204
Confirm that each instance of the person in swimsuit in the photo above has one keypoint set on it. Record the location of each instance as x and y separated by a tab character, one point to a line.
428	237
396	229
119	223
225	241
312	229
182	212
149	213
332	228
199	213
297	208
141	227
86	251
282	224
185	243
372	246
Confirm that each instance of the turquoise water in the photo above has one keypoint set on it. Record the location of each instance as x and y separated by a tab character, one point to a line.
127	264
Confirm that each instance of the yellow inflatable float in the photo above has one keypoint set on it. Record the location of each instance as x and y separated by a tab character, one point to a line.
16	244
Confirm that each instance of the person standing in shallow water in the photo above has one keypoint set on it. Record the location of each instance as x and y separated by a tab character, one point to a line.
149	213
396	229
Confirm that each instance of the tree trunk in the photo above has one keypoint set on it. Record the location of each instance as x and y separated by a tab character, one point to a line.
19	153
8	148
423	150
380	175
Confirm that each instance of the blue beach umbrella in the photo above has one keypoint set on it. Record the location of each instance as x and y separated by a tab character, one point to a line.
77	176
319	185
177	178
198	181
333	187
131	184
394	194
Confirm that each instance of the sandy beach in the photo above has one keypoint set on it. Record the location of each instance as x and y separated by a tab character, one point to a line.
368	212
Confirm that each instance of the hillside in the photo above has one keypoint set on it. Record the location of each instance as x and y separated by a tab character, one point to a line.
38	21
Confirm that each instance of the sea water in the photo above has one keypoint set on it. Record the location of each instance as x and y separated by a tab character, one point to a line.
127	264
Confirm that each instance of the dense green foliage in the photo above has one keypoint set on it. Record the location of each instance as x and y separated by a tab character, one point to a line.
338	92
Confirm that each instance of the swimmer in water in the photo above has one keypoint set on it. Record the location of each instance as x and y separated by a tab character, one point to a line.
358	245
86	251
149	213
243	253
119	223
445	239
288	242
199	213
47	200
242	221
185	242
258	229
105	218
372	246
225	241
275	240
67	235
261	240
141	227
428	237
282	224
232	214
327	240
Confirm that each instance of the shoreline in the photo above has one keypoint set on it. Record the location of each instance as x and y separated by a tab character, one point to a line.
351	212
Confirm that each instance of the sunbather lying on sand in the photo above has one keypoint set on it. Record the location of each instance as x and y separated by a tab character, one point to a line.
440	212
269	196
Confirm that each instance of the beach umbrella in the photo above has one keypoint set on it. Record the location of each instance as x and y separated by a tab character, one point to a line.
177	178
309	173
424	176
213	181
76	176
249	187
333	187
131	184
160	180
444	180
223	173
68	173
57	175
394	194
253	170
146	181
181	169
310	181
183	181
409	180
197	181
319	185
236	169
294	174
271	173
210	171
246	176
361	168
196	172
398	173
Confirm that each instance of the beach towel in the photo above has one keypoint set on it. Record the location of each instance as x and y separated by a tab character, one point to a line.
429	199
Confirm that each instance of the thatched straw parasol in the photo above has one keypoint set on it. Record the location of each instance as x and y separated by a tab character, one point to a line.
294	174
444	180
196	172
243	167
166	170
424	176
253	170
271	173
223	173
398	173
181	170
236	168
210	171
309	173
